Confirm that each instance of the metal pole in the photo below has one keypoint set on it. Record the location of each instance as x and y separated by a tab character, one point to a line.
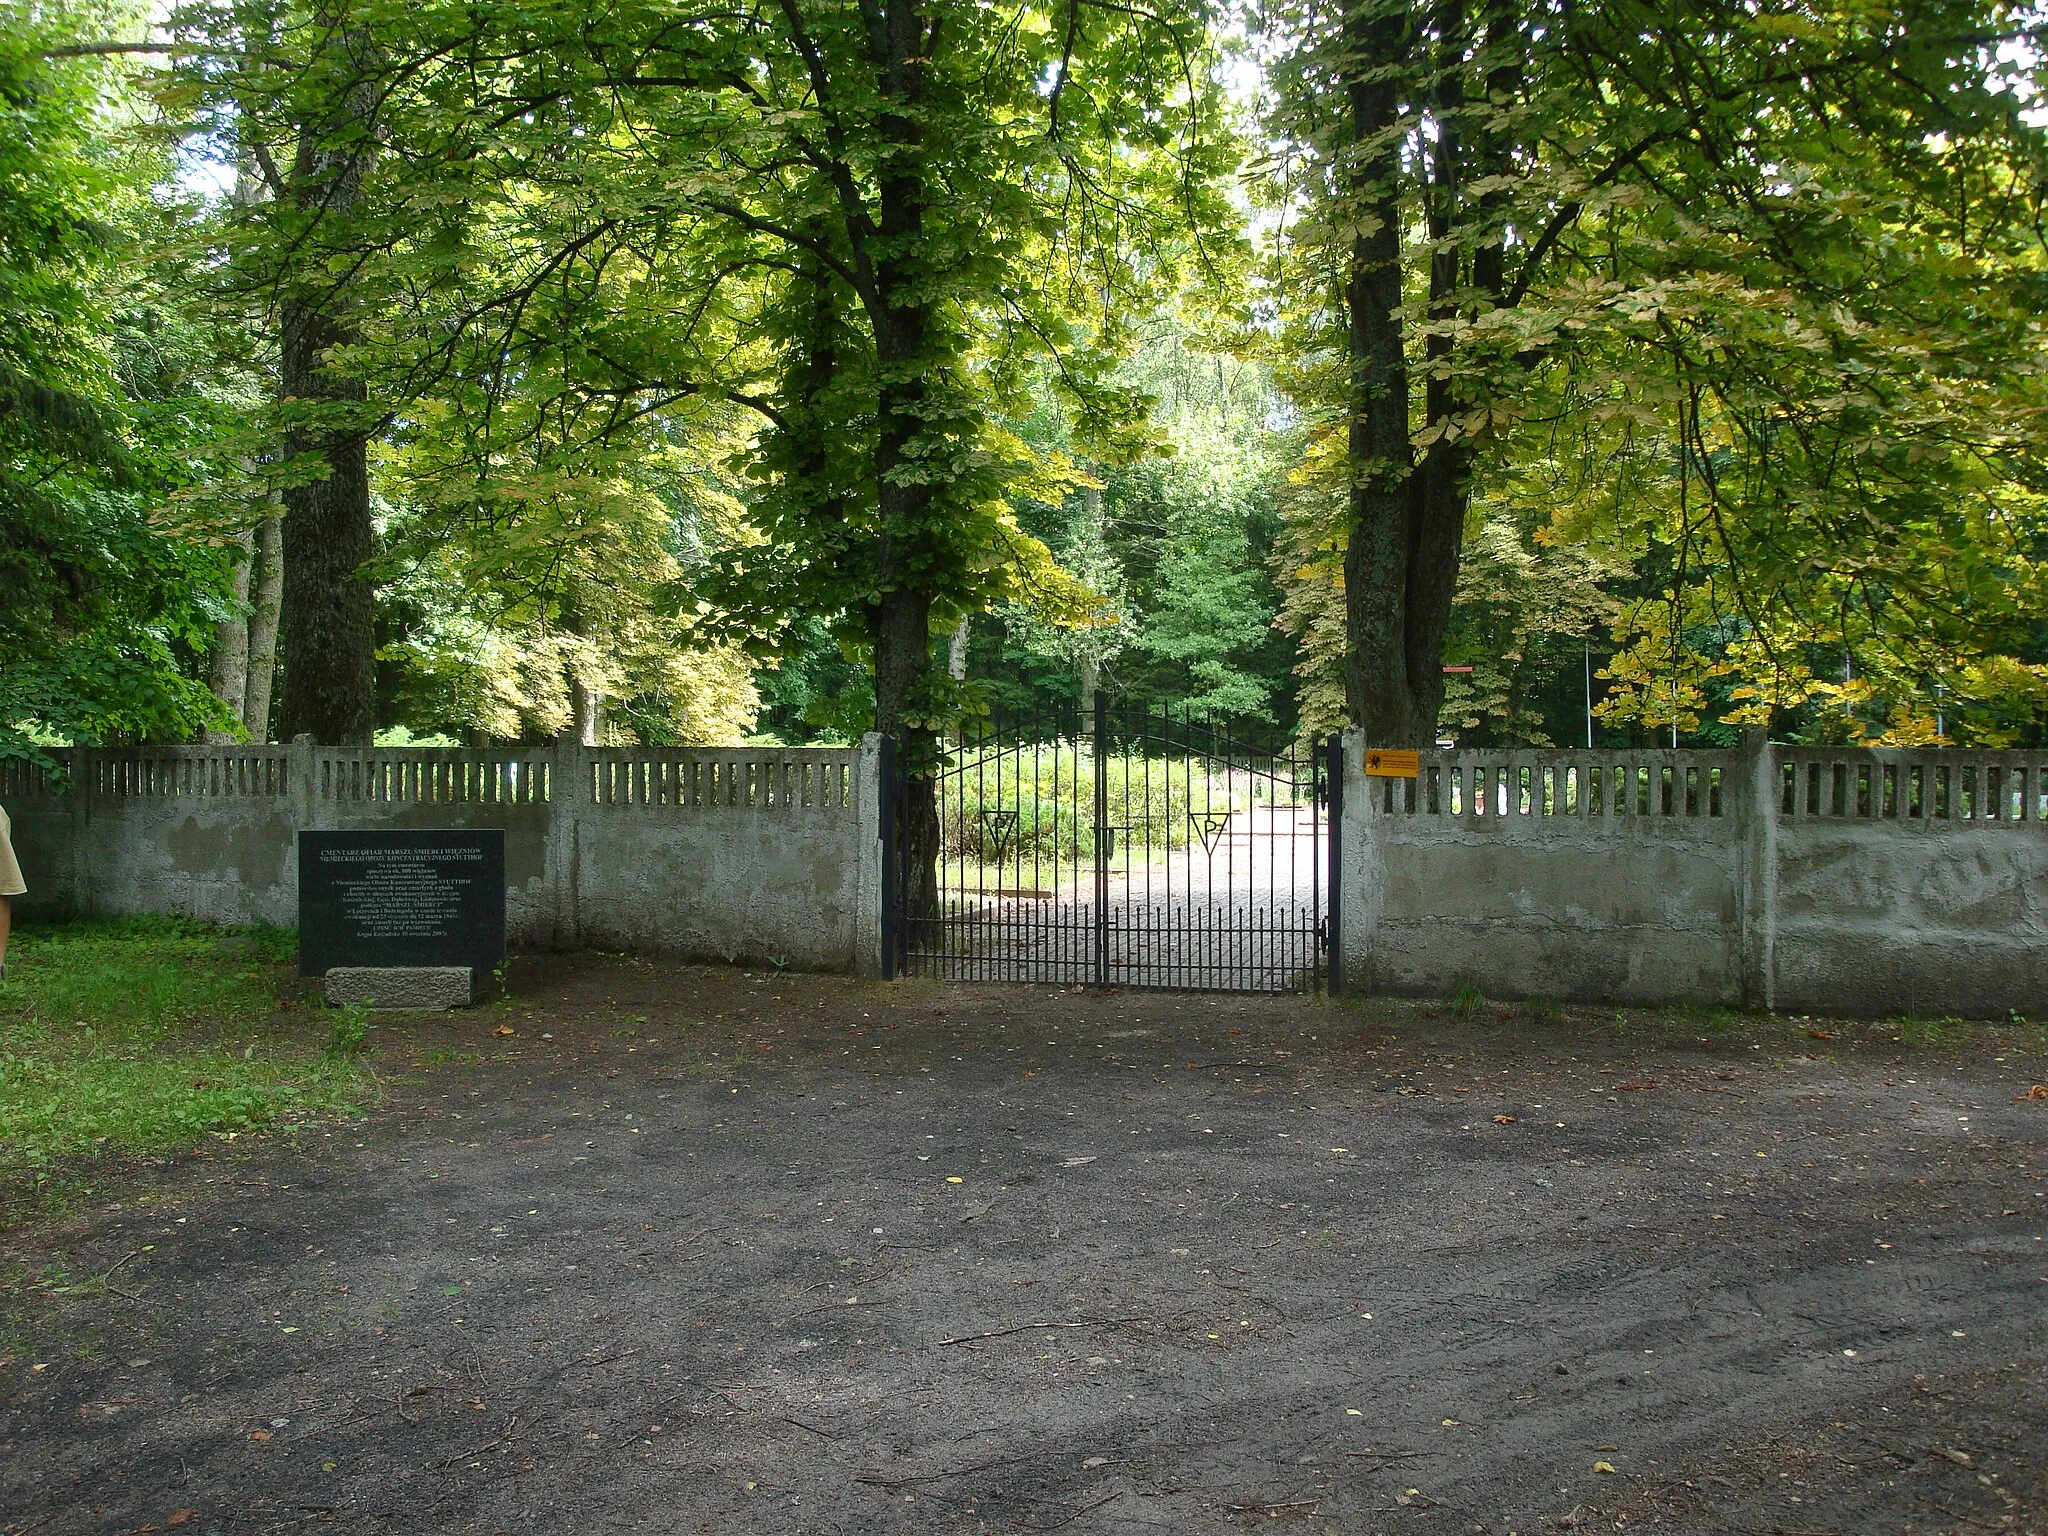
1335	768
887	804
1101	838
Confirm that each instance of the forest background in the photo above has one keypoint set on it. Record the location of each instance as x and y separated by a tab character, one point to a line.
1511	373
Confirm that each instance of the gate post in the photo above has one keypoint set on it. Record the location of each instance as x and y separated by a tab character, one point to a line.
1333	765
887	792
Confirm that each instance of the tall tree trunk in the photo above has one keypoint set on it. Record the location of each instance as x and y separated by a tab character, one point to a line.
1442	486
1408	517
956	655
585	704
901	43
265	608
329	604
1378	39
228	674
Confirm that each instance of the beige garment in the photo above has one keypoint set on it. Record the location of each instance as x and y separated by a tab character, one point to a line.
10	872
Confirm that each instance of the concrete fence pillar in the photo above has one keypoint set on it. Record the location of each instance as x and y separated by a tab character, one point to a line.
568	804
1757	890
868	790
304	807
1362	862
302	788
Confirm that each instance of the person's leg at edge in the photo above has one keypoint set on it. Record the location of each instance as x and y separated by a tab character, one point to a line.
6	922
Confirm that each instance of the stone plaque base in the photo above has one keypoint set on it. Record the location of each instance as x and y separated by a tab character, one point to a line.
400	987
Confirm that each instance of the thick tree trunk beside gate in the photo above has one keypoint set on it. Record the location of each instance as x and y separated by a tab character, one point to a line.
1381	510
901	38
1407	510
329	604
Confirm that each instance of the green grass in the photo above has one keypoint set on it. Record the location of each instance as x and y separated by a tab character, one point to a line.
1465	1001
146	1035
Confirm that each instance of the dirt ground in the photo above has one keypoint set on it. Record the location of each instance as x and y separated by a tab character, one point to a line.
692	1250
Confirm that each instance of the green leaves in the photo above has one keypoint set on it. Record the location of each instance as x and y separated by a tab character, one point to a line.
99	420
1741	304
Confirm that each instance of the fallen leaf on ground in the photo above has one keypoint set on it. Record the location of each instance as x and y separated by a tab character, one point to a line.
1504	1120
259	1434
1603	1467
2038	1091
1819	1034
179	1516
504	1029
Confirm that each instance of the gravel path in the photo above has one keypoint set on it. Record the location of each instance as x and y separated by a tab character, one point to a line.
798	1254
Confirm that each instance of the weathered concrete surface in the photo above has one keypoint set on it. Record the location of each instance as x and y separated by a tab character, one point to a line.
1924	919
1792	878
742	884
1614	918
402	988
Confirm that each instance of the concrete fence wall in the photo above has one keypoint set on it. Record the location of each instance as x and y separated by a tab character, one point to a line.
711	852
1808	879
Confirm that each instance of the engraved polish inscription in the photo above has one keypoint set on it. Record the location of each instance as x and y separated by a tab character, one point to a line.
401	898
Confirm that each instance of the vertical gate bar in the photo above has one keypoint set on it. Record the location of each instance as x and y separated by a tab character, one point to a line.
885	798
1101	837
959	940
1145	746
981	832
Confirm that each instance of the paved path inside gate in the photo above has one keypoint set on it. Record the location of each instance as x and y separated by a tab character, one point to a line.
791	1254
1240	909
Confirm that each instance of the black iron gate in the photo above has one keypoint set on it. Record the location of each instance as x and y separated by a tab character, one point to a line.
1124	848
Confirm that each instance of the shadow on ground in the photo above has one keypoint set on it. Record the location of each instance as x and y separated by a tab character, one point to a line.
690	1250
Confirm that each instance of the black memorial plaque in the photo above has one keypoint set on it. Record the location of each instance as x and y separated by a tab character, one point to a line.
401	899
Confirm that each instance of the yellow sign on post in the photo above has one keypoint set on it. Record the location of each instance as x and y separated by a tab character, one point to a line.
1382	764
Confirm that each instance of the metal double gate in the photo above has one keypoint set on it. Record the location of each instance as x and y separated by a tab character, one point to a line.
1119	849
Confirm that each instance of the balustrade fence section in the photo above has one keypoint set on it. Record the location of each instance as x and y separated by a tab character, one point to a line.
1525	789
784	781
2003	788
432	776
719	852
1809	878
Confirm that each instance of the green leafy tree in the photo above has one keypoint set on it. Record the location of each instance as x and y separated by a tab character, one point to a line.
1177	541
1751	243
106	598
860	224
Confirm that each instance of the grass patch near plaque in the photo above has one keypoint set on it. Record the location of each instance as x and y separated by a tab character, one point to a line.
130	1036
